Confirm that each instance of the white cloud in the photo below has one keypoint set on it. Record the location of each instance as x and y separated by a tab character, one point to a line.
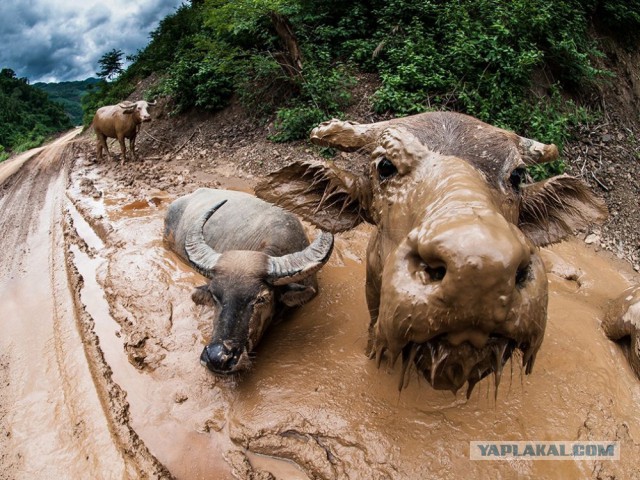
47	40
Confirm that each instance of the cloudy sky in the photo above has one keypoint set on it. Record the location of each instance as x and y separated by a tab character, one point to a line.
59	40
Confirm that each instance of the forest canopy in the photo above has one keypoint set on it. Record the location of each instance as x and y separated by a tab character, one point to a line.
27	116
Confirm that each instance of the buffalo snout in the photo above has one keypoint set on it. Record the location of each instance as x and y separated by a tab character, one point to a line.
476	264
222	358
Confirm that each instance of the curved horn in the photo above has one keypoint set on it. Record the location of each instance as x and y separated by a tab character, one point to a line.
535	152
127	106
201	255
347	136
299	265
153	103
623	317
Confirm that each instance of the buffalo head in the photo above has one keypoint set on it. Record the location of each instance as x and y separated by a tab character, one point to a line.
245	288
139	110
455	283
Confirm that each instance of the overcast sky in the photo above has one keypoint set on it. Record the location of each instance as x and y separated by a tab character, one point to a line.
59	40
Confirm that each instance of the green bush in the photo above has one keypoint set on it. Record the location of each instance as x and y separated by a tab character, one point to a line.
296	122
204	79
262	85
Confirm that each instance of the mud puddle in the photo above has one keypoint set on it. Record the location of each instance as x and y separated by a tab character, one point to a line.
313	406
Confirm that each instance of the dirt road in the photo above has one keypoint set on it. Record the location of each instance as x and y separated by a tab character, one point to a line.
100	345
53	419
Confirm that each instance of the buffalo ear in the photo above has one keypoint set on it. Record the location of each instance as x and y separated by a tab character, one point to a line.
296	294
330	198
553	209
348	136
202	296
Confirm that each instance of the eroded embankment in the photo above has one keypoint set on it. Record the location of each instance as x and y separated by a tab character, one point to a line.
313	406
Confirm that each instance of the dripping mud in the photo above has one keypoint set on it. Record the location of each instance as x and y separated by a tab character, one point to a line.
100	356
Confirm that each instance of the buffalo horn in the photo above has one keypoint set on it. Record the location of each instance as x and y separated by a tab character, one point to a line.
152	104
620	327
127	106
201	255
299	265
535	152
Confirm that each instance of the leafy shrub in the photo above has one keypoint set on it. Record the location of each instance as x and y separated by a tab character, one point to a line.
205	82
296	122
323	94
262	85
621	18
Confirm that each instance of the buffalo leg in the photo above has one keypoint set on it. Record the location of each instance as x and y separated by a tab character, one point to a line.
101	145
123	149
132	147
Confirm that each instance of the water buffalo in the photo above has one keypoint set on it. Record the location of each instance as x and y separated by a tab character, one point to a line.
454	283
120	121
257	258
622	324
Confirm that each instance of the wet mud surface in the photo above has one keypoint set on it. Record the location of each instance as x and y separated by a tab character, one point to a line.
100	371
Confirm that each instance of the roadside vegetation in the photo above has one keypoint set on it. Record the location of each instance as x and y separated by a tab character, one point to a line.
27	116
516	64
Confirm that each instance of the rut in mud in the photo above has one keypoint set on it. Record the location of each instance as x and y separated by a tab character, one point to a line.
61	414
102	374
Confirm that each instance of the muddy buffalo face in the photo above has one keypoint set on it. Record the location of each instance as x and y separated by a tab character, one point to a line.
455	284
245	289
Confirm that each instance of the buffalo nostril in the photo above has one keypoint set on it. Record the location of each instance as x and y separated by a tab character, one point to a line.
436	273
522	275
219	358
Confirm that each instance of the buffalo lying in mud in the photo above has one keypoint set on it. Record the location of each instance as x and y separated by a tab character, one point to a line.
455	283
257	258
120	121
622	324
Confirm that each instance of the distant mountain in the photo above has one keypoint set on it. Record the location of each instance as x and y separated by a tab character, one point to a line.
69	95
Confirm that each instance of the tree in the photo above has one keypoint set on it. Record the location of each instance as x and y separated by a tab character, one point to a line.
7	73
110	64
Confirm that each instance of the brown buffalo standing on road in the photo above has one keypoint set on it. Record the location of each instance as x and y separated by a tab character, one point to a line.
120	121
455	283
258	261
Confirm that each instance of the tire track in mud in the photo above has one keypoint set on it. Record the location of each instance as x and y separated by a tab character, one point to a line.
142	315
56	417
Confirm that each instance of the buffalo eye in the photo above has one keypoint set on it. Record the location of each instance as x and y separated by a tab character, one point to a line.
386	168
261	300
517	178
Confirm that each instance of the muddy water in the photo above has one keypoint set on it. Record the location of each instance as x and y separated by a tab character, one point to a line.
313	406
